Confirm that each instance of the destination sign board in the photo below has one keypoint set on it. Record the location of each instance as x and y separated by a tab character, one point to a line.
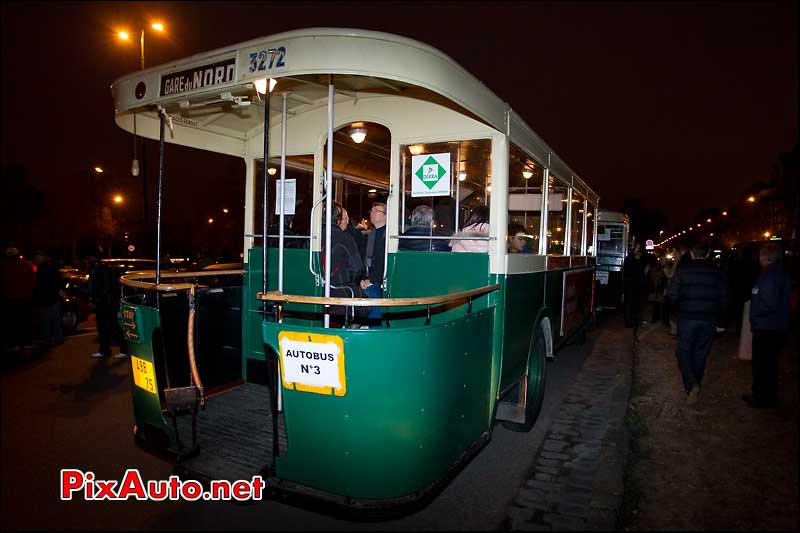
199	77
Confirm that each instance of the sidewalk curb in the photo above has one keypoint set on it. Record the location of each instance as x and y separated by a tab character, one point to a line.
577	477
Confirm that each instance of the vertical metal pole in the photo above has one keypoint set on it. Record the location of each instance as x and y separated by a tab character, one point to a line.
265	206
329	202
160	192
283	191
545	208
386	240
141	57
402	198
458	190
568	225
585	228
264	279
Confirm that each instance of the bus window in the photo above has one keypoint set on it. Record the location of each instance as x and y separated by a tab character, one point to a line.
576	227
361	168
556	217
452	178
525	178
299	196
590	215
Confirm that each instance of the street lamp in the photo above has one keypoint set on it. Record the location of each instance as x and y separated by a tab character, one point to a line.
135	169
118	199
125	36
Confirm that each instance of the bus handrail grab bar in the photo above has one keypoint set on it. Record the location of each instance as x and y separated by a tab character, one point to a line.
132	279
386	242
275	296
317	277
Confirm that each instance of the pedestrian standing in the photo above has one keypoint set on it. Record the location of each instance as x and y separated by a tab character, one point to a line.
698	292
633	285
104	304
769	321
47	294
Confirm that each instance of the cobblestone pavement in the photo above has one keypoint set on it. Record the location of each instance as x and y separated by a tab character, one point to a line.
576	482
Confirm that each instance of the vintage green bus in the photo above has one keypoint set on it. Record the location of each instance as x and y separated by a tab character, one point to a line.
612	247
258	371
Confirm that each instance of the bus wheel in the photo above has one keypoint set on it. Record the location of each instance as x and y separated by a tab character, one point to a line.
533	383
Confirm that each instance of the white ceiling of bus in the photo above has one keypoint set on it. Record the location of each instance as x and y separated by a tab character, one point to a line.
304	92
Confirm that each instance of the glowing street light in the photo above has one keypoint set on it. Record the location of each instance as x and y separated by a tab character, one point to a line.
98	170
210	220
118	199
751	199
125	36
766	234
724	213
709	221
225	210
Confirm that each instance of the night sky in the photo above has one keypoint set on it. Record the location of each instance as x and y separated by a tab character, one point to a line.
682	106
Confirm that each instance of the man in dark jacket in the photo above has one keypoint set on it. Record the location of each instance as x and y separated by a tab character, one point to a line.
698	292
422	225
769	320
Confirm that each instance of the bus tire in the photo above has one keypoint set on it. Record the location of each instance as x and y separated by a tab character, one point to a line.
536	379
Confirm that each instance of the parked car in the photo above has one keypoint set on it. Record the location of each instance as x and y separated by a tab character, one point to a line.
74	300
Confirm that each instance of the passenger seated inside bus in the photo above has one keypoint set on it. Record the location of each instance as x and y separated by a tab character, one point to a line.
477	226
518	240
347	268
423	225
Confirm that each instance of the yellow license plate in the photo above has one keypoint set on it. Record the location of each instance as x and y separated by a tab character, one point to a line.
312	362
143	374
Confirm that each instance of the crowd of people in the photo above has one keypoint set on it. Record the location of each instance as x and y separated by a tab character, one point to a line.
32	293
698	299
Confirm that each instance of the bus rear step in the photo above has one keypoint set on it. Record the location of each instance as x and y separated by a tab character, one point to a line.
234	436
513	412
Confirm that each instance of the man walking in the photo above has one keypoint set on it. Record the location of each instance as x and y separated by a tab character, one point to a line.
769	320
698	292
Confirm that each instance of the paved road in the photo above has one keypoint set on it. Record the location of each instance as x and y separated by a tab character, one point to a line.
66	410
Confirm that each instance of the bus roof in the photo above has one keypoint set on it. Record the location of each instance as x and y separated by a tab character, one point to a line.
604	215
364	63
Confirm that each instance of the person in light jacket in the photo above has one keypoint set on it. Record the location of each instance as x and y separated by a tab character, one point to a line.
477	226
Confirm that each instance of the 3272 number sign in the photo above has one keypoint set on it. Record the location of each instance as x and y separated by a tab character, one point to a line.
267	59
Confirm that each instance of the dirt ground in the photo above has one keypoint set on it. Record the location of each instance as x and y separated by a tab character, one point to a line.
716	465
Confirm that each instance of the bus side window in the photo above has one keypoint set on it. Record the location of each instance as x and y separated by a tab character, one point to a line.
525	178
590	216
576	225
557	217
463	169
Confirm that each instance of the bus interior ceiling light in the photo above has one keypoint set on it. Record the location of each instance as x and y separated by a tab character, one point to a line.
416	149
527	174
358	135
261	85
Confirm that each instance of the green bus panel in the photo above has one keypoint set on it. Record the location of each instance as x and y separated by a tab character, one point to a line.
139	334
416	398
553	301
297	280
524	299
413	274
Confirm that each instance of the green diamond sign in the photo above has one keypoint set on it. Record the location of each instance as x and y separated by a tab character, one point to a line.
430	175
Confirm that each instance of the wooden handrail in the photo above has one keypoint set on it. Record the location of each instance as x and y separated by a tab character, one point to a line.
276	296
132	279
